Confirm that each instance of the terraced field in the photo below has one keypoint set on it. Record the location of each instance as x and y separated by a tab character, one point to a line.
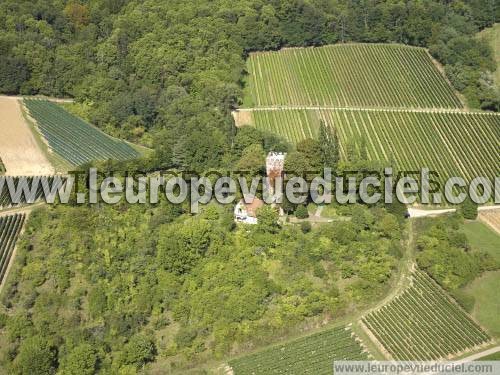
10	227
423	323
451	143
348	75
74	139
312	354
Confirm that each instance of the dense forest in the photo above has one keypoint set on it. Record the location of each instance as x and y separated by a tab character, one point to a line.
116	287
167	74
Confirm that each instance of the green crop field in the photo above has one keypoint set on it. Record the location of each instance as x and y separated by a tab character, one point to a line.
451	143
423	323
312	354
10	227
348	75
5	195
74	139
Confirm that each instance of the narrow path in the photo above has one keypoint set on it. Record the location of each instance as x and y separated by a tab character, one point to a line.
417	212
479	355
49	98
372	109
20	210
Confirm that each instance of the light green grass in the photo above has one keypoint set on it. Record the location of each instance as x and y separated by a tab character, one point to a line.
491	357
481	237
485	289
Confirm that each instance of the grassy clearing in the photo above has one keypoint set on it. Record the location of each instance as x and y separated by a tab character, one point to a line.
491	357
486	292
485	288
481	237
348	75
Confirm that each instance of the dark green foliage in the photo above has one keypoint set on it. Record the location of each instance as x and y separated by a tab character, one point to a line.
3	320
468	61
301	212
80	360
146	79
329	145
443	251
13	73
469	209
267	217
139	350
35	357
205	283
305	226
249	135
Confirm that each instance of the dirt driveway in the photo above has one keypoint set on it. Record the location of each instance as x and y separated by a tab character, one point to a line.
19	151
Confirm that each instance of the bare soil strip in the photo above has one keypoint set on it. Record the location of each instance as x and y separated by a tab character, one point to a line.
491	218
19	150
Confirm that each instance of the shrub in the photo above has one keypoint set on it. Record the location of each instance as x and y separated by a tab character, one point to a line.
301	212
469	209
305	227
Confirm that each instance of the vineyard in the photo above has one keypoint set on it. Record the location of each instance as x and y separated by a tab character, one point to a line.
451	143
423	323
2	167
5	197
10	227
312	354
74	139
348	75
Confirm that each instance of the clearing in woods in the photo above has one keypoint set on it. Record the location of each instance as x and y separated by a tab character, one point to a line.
19	150
484	289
